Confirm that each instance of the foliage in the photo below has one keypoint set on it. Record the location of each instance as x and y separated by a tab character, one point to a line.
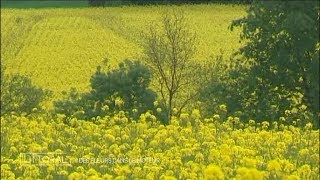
148	2
125	88
19	95
169	52
97	2
277	70
130	82
222	88
282	53
191	147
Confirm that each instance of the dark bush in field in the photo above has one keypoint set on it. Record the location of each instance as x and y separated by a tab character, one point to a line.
124	88
19	95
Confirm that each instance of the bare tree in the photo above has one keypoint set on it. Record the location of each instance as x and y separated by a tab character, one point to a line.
169	51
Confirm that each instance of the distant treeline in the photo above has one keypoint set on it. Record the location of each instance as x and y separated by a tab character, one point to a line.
146	2
101	3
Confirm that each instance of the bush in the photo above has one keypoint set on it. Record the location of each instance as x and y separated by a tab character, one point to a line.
19	95
121	89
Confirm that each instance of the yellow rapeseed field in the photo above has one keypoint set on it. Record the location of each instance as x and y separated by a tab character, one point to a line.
61	48
190	148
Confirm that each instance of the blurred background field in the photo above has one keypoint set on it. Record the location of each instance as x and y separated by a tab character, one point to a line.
60	48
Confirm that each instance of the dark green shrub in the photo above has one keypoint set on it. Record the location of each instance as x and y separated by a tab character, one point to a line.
19	95
124	88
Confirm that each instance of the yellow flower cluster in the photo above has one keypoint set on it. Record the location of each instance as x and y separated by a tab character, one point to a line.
39	148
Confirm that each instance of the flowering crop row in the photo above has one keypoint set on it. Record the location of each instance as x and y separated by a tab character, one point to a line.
190	148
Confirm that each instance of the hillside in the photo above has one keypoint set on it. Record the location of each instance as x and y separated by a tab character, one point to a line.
61	48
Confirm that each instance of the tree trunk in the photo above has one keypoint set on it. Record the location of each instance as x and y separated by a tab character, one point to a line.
170	107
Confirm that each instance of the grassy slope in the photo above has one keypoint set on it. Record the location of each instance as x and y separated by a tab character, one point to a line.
60	48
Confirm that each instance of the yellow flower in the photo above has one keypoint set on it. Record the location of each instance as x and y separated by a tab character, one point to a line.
153	143
303	107
110	138
223	108
213	172
308	126
199	157
305	172
294	110
287	112
251	122
166	177
195	114
282	119
216	117
249	174
291	177
119	102
273	165
214	154
75	176
304	152
225	148
184	116
169	142
174	111
107	176
105	108
249	162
